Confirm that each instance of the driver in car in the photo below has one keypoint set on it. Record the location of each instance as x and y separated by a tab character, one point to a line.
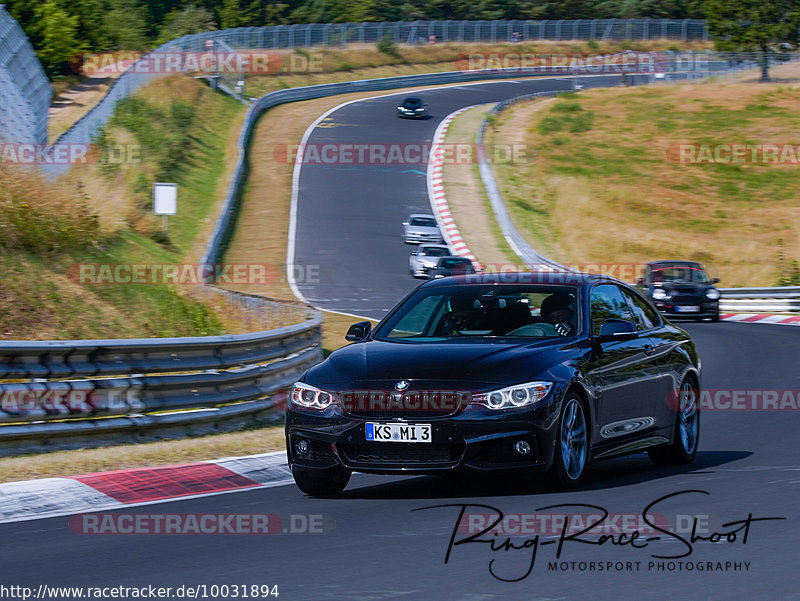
557	311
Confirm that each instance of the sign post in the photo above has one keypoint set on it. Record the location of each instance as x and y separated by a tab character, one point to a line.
165	201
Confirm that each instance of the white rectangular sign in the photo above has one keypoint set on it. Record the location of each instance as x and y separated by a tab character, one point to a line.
165	199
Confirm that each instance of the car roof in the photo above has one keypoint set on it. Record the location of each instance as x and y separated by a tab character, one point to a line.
433	246
427	215
674	262
559	278
413	99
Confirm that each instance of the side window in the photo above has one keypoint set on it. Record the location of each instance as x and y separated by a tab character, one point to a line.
607	302
644	315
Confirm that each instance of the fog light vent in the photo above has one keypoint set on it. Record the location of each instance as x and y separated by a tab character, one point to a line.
301	446
522	447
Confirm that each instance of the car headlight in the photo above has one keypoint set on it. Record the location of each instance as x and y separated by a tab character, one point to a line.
660	294
310	397
712	294
520	395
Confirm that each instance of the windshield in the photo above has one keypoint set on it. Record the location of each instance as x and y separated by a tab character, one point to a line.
412	102
450	263
678	273
435	252
484	312
423	221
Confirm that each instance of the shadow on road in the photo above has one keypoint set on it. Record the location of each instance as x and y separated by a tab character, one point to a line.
605	475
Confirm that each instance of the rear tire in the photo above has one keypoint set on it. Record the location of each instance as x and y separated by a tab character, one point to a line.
686	437
572	444
321	483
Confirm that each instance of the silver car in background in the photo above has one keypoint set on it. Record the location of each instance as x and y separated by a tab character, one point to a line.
425	257
420	228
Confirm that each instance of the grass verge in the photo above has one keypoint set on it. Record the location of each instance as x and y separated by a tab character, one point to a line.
605	169
151	454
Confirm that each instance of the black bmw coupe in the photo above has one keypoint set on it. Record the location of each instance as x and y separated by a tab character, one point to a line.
533	372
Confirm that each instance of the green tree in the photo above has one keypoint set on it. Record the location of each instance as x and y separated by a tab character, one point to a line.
57	32
752	25
192	19
125	25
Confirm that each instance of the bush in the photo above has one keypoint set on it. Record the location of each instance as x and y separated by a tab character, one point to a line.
592	44
41	218
387	45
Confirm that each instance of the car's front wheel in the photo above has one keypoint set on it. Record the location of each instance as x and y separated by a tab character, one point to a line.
572	444
321	483
687	429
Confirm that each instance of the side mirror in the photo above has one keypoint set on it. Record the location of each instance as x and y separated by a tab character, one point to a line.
640	281
358	331
405	223
715	281
612	330
413	253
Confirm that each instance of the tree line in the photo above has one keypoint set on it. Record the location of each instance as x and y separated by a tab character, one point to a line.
62	29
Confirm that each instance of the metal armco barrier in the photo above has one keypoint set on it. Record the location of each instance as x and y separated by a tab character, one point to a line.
761	300
125	379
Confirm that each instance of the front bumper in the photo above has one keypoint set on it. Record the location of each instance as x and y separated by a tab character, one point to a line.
477	439
410	114
676	309
412	238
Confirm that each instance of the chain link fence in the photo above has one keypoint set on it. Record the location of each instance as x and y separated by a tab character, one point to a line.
426	32
24	89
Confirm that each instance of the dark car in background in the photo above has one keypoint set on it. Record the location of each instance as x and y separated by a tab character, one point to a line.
413	106
537	373
681	290
447	266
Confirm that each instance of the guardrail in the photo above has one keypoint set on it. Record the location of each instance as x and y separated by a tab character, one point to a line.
146	385
761	300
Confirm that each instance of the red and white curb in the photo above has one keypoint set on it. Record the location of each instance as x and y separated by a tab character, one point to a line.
783	320
441	210
101	491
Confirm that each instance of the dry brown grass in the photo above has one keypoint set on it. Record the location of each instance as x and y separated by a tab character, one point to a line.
151	454
610	194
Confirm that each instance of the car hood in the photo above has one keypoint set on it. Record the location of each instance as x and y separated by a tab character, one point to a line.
481	364
422	229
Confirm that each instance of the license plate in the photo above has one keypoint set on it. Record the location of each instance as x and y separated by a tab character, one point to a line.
688	309
398	432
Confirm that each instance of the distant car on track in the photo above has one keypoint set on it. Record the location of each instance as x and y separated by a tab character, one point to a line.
413	107
447	266
533	373
681	289
426	256
420	228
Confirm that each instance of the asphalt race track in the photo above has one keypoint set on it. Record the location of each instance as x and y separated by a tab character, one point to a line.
374	545
349	216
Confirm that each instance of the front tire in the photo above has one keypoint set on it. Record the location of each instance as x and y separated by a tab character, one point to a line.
572	444
321	483
683	449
